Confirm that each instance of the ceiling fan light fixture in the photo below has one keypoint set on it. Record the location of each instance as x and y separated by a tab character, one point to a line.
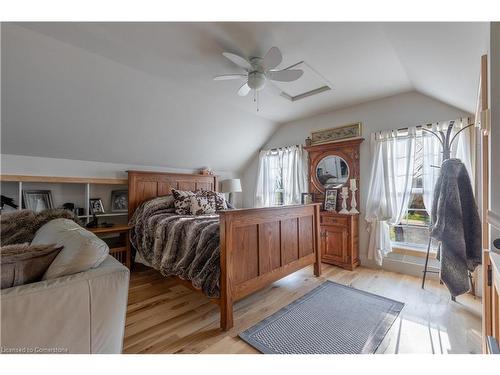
256	80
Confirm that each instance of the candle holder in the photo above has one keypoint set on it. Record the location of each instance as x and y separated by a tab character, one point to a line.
354	204
344	194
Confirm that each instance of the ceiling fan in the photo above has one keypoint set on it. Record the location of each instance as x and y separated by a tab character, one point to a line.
260	71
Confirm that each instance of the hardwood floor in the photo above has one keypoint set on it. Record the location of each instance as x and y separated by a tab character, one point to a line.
165	317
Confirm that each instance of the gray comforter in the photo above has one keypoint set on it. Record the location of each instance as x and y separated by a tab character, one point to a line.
180	245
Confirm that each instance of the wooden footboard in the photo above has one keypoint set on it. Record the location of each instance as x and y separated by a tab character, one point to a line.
258	245
261	245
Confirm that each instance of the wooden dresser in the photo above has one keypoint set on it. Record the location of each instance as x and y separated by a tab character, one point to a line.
339	232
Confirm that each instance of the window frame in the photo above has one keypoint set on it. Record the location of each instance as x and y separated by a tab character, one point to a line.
416	190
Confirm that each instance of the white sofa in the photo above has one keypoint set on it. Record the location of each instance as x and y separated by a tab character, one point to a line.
80	313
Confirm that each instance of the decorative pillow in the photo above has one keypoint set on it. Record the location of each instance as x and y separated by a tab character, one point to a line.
220	199
24	263
201	205
18	227
82	249
182	201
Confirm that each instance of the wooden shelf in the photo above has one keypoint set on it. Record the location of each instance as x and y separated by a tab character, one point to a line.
64	180
113	229
104	215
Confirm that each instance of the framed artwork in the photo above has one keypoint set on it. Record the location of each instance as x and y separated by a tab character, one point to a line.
307	198
330	199
335	134
119	201
38	200
96	206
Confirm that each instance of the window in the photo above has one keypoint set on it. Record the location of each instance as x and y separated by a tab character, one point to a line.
413	230
277	171
282	176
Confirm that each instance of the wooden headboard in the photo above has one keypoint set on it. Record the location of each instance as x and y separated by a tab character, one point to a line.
143	185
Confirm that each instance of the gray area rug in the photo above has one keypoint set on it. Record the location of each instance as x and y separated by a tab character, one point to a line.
331	319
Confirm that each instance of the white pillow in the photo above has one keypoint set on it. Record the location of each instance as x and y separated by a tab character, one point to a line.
82	249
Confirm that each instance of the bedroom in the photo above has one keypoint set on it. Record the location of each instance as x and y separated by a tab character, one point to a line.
249	187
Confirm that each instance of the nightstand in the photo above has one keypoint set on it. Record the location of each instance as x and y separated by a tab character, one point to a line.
117	238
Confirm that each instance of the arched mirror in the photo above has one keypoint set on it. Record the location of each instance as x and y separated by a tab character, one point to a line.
332	171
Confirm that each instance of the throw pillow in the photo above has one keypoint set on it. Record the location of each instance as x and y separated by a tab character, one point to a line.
82	250
202	205
21	226
220	199
24	263
182	201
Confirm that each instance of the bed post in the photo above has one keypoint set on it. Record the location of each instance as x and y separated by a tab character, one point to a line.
317	241
226	298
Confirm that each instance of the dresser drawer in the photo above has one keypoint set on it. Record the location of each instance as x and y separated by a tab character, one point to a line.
334	220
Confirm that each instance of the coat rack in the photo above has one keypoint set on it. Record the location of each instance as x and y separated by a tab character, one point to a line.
446	139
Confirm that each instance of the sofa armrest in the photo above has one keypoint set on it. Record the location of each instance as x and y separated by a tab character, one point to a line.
80	313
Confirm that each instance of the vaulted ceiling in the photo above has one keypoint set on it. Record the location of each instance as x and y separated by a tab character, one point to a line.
143	93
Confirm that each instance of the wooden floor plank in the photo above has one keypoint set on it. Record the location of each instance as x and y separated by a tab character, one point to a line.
165	317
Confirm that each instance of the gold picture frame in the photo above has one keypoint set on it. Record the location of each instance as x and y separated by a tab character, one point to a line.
331	135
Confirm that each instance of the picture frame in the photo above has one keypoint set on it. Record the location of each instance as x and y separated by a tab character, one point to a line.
331	135
96	207
119	201
38	200
307	198
330	199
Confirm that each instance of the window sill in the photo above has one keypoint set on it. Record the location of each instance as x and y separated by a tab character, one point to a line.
413	251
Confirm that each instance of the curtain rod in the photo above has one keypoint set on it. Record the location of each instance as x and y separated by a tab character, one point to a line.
278	148
421	126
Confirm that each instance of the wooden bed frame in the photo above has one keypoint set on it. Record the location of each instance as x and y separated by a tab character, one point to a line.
257	246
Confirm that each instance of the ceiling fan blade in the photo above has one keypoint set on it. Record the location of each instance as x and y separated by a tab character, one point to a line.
285	75
229	76
238	60
244	90
272	58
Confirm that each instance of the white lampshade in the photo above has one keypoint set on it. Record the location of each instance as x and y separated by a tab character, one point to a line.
232	185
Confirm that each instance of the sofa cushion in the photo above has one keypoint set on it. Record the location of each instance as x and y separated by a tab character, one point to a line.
81	251
24	263
20	226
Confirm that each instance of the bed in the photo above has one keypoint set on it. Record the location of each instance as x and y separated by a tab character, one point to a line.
255	248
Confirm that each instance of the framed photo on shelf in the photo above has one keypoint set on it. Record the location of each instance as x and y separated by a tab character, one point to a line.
330	199
307	198
96	206
119	201
38	200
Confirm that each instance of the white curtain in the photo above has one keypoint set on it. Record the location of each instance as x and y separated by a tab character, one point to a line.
390	186
432	156
294	159
284	168
266	179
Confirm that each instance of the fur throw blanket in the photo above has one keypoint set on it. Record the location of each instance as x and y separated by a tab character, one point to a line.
181	245
457	225
20	226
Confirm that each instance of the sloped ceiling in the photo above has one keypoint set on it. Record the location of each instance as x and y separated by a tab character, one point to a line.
143	93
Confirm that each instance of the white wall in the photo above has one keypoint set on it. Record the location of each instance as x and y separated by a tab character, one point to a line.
61	101
389	113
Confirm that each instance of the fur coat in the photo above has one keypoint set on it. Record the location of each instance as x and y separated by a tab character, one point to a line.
457	225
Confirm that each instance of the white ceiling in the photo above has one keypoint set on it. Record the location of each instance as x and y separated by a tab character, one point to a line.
82	90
